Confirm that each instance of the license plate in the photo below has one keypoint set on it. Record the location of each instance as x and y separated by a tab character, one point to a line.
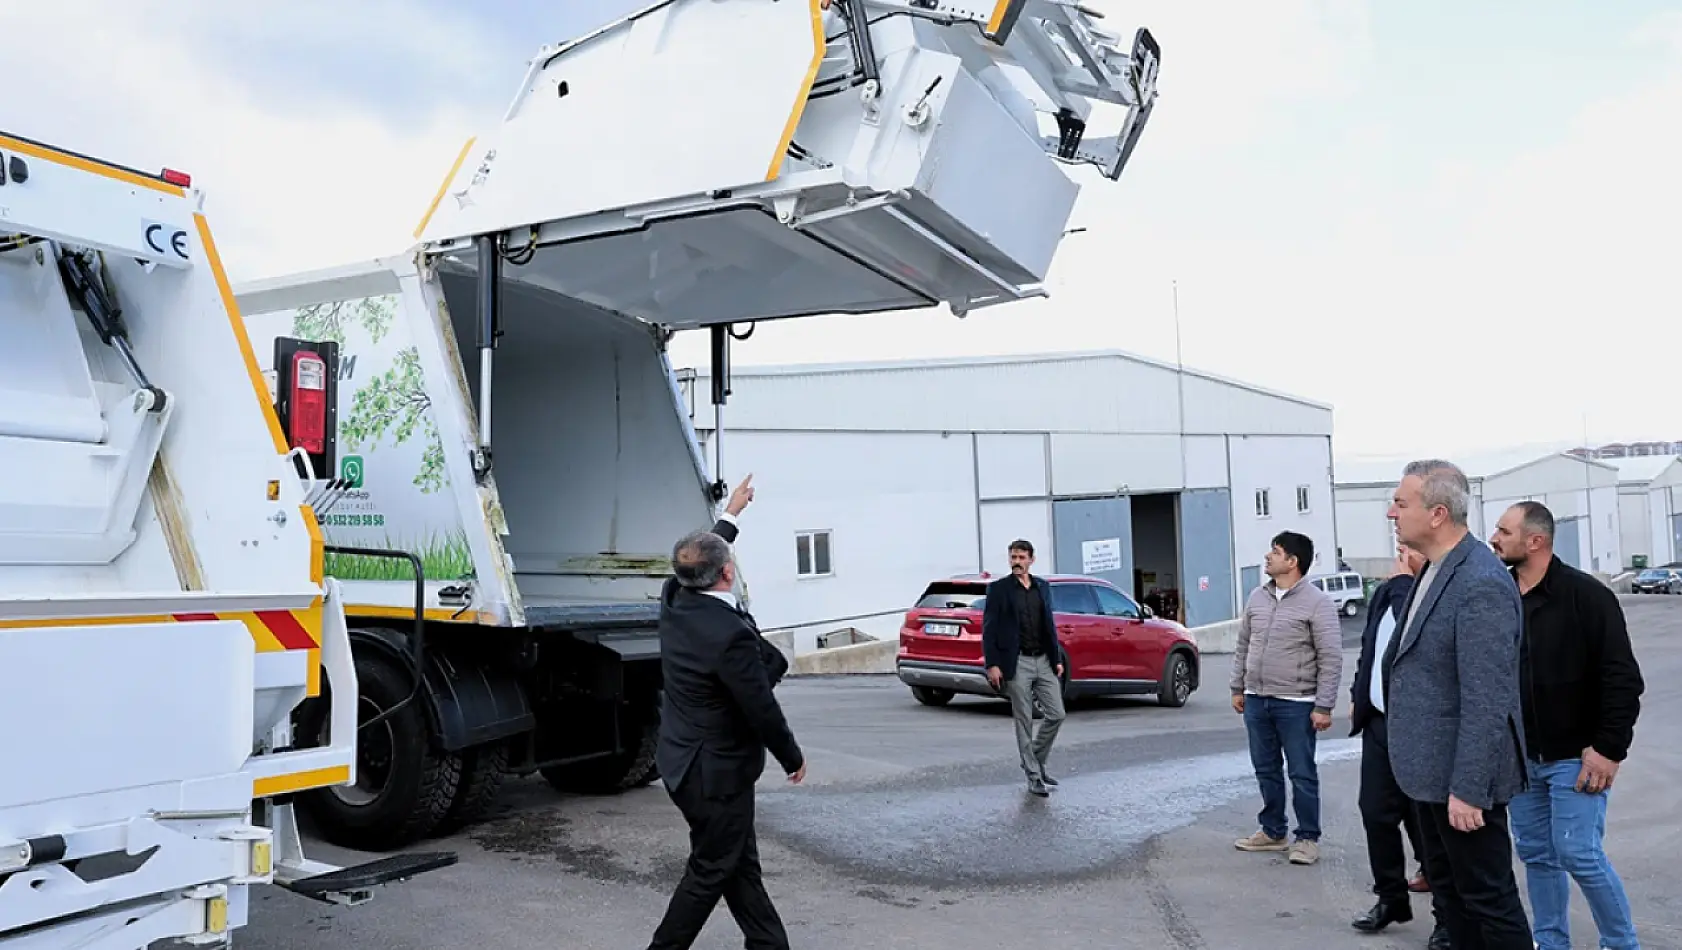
941	629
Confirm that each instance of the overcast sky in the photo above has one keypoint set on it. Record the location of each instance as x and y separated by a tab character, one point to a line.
1460	224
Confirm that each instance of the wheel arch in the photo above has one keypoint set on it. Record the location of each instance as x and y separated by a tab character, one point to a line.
467	702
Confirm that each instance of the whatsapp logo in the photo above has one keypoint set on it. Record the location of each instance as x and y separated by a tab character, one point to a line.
350	469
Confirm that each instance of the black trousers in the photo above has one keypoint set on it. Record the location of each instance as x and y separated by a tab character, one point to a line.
723	862
1386	813
1472	881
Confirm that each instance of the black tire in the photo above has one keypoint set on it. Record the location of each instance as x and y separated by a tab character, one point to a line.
1177	682
1351	608
611	774
483	769
404	786
931	696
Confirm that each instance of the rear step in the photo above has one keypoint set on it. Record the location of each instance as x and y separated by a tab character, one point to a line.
352	885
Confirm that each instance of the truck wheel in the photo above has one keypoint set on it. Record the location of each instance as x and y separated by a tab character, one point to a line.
404	787
483	769
930	696
610	774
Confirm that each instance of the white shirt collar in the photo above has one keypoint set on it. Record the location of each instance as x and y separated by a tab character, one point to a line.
728	596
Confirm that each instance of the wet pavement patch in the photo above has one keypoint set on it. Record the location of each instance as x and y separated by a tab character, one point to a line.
998	835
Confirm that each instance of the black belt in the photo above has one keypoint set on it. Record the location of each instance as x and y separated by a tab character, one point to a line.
1032	652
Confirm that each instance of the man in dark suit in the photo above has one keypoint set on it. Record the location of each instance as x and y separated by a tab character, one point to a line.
718	720
1019	645
1451	693
1383	805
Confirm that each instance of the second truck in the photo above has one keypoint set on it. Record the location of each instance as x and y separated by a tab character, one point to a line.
698	164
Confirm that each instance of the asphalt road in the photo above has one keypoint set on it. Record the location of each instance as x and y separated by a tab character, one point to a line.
913	831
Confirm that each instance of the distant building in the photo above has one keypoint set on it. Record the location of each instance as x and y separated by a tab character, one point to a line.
877	478
1621	450
1582	493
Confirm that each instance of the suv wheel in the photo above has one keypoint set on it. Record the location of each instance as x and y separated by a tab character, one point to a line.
1350	607
1176	684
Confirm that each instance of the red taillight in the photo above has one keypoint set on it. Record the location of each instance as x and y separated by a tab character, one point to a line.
178	178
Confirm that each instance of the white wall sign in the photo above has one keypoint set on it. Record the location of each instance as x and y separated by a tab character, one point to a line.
1203	583
1099	556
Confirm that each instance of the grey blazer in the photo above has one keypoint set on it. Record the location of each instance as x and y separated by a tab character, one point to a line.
1451	682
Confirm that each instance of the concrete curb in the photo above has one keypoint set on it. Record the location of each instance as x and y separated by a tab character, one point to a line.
874	657
1216	638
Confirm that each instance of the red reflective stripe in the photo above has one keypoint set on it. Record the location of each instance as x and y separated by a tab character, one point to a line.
188	618
287	629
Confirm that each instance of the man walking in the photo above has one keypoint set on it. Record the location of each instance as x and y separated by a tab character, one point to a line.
1383	806
1020	647
1581	695
1451	696
1284	682
718	720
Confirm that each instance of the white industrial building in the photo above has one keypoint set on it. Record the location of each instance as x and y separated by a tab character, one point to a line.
875	479
1638	530
1583	495
1664	514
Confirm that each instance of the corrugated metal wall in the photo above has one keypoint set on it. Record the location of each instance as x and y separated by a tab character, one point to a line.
1206	556
1095	521
1568	543
1095	393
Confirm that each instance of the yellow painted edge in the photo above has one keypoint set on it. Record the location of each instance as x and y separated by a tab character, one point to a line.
408	613
85	621
79	163
312	685
799	109
443	186
998	18
299	781
318	552
231	305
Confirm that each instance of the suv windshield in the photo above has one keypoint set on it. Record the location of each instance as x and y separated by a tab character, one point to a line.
1653	575
953	595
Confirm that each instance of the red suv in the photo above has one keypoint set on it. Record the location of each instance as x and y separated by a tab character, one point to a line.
1112	646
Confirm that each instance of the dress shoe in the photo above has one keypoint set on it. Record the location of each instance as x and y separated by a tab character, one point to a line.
1048	780
1439	939
1418	884
1037	787
1381	916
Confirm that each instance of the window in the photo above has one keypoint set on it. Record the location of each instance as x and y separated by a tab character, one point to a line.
1073	599
811	554
950	596
1264	503
1113	603
1302	498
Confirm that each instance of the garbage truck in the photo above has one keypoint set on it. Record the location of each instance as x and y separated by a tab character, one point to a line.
163	603
499	401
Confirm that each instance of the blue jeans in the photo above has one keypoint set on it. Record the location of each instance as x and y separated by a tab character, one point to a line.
1280	726
1557	831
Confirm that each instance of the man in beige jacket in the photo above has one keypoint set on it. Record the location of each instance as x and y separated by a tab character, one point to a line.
1285	676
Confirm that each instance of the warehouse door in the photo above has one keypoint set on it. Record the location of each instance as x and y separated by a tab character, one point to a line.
1567	541
1206	556
1675	539
1251	579
1095	537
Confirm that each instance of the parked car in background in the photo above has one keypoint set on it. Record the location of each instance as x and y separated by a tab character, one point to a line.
1346	590
1112	646
1657	580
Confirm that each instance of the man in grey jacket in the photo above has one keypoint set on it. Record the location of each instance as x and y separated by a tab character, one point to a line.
1284	682
1451	681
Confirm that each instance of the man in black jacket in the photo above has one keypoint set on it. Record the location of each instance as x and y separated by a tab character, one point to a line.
1019	645
1581	692
1383	805
718	720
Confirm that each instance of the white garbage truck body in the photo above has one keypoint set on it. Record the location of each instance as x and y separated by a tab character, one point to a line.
501	403
163	601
